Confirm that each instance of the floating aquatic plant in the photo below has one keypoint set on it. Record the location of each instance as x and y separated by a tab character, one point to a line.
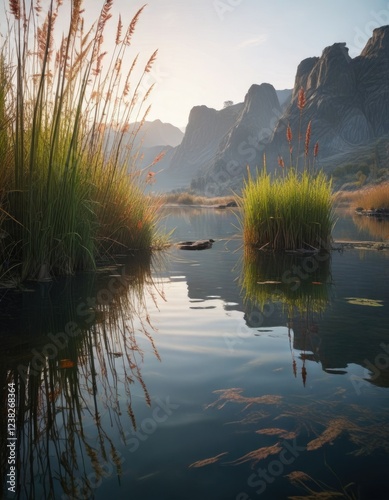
360	301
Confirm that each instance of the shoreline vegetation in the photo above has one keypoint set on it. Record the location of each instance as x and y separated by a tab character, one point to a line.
292	211
368	197
69	193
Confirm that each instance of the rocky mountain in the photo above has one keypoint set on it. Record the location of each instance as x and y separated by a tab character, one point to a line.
239	147
206	128
157	133
347	102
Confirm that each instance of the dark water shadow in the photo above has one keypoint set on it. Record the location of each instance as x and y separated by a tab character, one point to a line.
70	355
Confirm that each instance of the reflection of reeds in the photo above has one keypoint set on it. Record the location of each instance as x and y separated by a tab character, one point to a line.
93	375
376	227
299	283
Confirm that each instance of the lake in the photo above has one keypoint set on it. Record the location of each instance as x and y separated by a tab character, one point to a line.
215	374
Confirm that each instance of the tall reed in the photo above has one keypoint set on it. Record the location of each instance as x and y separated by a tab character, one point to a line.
288	213
70	187
293	211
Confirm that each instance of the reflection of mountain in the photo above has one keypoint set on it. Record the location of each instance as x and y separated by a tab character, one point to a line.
340	340
75	360
326	330
326	327
346	99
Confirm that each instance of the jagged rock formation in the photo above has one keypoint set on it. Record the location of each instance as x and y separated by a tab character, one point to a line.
206	127
243	143
347	101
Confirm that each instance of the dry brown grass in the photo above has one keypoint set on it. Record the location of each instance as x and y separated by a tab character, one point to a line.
345	198
187	198
371	197
374	197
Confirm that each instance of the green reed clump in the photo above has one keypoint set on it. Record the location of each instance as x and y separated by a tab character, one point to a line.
69	190
293	211
286	213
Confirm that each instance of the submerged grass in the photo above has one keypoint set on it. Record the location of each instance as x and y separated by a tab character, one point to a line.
69	191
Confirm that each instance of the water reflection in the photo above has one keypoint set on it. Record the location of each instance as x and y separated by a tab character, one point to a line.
298	287
76	378
376	227
352	227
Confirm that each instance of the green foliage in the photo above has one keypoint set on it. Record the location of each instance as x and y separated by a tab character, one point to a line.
68	194
287	213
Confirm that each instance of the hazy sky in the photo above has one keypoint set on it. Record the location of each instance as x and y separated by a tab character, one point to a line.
211	51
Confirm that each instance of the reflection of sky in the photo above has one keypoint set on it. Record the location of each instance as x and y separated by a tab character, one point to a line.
198	325
205	347
211	51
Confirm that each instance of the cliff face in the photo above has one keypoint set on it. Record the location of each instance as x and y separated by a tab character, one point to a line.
243	144
204	132
347	101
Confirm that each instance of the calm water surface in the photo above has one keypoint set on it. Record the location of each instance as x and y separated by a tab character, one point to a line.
203	375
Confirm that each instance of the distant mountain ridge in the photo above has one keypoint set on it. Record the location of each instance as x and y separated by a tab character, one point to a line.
347	102
157	133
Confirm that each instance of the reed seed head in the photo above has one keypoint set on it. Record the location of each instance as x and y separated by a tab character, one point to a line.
301	101
308	137
119	31
151	61
289	134
158	157
14	6
131	28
